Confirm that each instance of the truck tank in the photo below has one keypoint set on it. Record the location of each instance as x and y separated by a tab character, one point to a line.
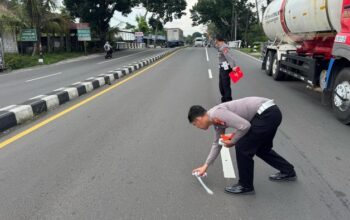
295	21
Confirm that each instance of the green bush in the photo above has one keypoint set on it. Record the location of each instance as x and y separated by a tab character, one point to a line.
18	61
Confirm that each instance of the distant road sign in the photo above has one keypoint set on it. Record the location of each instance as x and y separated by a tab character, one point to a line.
138	34
29	35
84	34
139	37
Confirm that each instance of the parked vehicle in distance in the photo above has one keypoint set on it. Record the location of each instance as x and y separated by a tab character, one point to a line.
198	42
175	37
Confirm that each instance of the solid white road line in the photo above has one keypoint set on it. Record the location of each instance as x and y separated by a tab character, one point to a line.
122	57
206	52
227	165
210	74
43	77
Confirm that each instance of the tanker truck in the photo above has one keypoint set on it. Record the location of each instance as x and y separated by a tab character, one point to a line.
310	41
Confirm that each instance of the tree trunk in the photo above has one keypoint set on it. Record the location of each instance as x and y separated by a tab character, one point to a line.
48	43
61	42
53	42
246	30
35	46
155	37
68	45
145	16
235	26
103	34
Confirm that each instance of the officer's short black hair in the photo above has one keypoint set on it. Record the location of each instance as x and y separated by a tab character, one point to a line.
220	38
196	111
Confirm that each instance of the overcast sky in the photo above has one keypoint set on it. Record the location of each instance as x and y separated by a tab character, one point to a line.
185	23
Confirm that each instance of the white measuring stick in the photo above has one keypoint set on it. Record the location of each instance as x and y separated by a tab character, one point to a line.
202	183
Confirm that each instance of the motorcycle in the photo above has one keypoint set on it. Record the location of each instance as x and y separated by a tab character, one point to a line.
109	54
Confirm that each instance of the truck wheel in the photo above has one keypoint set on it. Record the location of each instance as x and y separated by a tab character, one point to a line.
268	69
275	69
341	96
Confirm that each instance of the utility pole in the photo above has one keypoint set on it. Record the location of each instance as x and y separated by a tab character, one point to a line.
148	34
233	23
257	10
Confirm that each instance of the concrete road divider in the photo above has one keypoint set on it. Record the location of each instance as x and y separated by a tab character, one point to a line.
14	115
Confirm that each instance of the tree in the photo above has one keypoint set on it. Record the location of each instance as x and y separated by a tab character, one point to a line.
189	39
38	14
44	20
142	25
129	26
52	24
37	9
196	34
8	19
165	10
9	4
112	31
231	18
155	24
212	31
98	12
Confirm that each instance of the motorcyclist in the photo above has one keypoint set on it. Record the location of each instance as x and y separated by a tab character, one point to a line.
108	49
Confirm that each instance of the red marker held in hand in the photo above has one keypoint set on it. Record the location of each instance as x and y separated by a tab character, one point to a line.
236	74
225	138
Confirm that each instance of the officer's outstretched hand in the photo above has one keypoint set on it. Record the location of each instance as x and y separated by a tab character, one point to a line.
201	170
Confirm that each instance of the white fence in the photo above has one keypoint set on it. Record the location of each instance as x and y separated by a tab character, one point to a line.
126	45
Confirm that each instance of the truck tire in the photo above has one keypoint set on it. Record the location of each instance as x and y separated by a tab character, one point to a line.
275	69
268	69
341	96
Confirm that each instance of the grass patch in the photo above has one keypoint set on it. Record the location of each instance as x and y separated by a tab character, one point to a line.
19	61
250	51
246	50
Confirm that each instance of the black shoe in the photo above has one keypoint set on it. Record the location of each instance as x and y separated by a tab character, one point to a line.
283	177
239	189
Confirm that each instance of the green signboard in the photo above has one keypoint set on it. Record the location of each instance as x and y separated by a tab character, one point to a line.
29	35
84	34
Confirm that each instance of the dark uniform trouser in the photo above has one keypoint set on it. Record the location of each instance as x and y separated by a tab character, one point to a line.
225	85
259	141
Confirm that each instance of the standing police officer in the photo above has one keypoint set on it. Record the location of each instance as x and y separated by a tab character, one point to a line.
226	63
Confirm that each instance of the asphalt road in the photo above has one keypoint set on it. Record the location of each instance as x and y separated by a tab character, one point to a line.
129	153
18	86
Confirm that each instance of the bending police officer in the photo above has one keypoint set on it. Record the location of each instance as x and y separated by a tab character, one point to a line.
255	120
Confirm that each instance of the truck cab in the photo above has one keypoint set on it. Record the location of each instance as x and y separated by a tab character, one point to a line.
337	81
